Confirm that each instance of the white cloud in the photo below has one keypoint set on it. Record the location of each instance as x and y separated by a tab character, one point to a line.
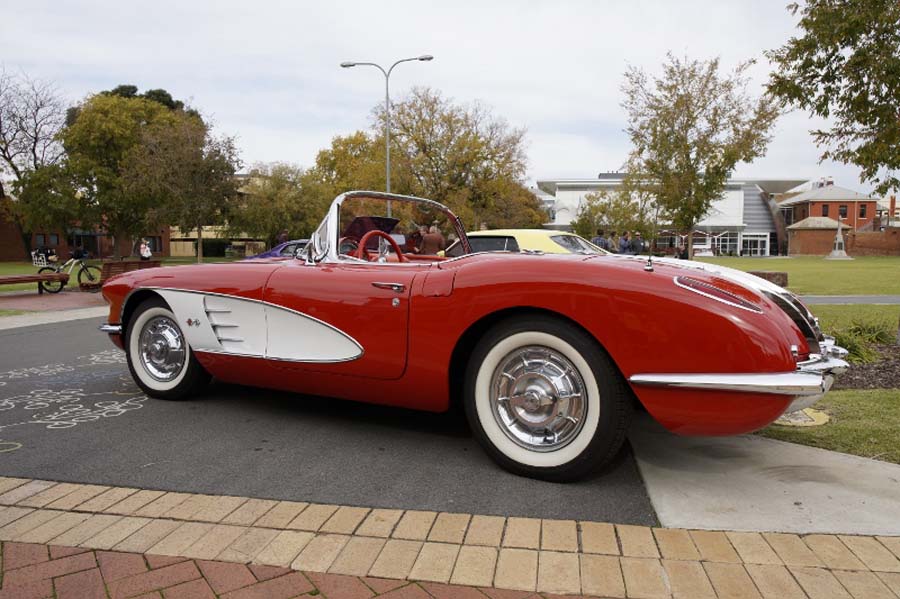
268	71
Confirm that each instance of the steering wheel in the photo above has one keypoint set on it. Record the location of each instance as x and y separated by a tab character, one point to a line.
363	253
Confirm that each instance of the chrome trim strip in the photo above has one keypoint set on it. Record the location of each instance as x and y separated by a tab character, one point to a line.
112	329
678	283
782	383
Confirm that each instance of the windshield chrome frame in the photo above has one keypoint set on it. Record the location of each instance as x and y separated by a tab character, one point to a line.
326	250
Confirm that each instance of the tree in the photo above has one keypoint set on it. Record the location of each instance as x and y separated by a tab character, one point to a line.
273	200
688	129
462	156
846	67
182	175
97	143
31	117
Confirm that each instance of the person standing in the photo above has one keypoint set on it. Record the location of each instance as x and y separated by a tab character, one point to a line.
282	237
145	250
637	243
625	244
600	240
612	242
433	241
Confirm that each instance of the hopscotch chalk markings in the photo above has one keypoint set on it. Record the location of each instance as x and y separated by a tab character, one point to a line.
66	408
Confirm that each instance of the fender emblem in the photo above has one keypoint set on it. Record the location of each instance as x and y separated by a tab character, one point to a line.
193	322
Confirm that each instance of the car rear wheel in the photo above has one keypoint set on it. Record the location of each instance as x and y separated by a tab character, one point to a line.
159	356
544	399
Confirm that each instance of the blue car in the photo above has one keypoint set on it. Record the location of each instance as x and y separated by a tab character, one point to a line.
283	250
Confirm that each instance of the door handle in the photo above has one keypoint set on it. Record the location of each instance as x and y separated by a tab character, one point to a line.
396	287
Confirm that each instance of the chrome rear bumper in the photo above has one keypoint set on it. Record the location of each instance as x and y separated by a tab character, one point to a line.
807	384
112	329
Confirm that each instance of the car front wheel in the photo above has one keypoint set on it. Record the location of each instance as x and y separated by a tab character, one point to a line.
159	356
544	399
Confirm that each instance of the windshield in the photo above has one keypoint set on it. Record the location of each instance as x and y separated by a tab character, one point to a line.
576	244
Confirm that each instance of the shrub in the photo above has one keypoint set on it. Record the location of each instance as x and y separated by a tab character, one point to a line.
862	349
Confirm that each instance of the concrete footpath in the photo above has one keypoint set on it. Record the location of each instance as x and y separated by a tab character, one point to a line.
753	483
129	541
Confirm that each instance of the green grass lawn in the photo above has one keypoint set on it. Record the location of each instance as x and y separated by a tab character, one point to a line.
809	275
11	312
863	423
839	317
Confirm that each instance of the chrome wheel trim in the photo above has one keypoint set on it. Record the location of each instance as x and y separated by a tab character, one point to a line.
538	398
162	349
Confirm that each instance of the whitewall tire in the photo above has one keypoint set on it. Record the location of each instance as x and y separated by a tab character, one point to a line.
159	356
544	399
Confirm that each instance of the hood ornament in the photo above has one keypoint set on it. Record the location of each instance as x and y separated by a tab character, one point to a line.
649	266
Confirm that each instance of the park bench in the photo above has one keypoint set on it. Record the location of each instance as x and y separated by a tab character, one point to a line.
117	267
35	278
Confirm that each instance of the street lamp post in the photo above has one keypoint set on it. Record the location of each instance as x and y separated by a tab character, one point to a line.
387	109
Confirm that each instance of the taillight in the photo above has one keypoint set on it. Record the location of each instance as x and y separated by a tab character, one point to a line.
715	293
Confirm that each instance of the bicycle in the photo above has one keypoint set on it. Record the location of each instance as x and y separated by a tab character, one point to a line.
88	275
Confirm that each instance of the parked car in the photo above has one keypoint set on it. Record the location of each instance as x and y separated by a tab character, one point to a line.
533	240
547	353
286	249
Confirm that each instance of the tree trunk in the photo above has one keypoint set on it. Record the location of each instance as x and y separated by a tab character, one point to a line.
115	245
690	244
199	244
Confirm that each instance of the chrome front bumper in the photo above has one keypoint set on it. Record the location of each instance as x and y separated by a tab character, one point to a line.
807	384
112	329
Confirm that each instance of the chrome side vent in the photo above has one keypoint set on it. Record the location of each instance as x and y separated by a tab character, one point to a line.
226	331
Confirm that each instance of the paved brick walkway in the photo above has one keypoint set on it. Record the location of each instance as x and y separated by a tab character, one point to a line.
75	539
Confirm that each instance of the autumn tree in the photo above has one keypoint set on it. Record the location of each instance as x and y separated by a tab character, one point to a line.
31	116
462	156
273	199
181	174
689	128
845	66
97	144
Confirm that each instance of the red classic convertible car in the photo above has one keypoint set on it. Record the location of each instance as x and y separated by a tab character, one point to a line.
548	354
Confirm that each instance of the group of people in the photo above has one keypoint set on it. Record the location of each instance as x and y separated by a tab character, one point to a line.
629	243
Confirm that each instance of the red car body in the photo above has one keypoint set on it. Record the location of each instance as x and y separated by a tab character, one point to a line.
416	325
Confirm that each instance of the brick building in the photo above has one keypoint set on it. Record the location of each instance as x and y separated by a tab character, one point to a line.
826	199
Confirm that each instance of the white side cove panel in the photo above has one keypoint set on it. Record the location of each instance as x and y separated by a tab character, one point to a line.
229	325
300	338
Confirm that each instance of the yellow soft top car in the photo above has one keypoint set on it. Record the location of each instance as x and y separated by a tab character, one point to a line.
526	240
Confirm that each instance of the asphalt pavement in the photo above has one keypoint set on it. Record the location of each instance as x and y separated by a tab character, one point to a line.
70	412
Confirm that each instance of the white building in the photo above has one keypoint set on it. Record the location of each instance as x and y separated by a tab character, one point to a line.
746	220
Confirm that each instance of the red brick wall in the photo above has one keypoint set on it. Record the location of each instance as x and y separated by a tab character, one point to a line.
821	242
886	243
11	248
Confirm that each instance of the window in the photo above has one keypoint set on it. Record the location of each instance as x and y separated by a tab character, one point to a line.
574	244
53	239
825	208
862	210
842	210
39	239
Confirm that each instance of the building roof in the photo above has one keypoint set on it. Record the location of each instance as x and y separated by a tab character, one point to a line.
610	179
816	223
827	193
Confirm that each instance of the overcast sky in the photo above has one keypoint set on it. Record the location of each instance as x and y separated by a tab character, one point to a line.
267	72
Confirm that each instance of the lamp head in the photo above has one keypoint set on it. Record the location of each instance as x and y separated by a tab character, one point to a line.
347	65
426	57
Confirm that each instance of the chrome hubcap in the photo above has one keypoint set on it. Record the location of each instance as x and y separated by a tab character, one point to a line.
162	348
538	398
